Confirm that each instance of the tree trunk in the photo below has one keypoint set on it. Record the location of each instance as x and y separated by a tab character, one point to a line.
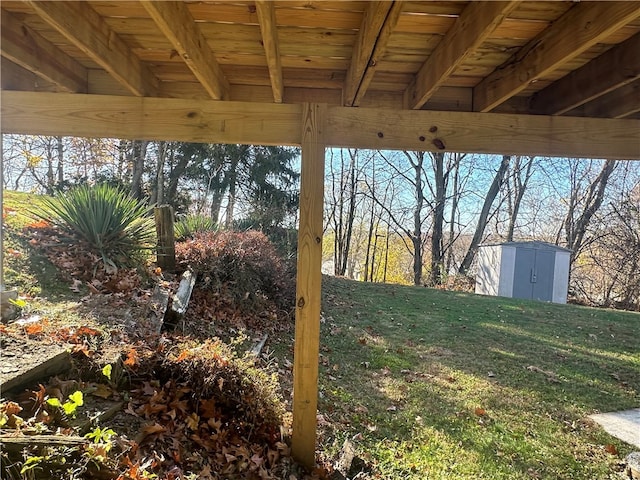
138	153
438	219
60	169
519	186
595	196
232	179
416	239
484	215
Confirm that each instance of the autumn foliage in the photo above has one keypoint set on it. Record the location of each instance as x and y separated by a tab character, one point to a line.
211	410
241	266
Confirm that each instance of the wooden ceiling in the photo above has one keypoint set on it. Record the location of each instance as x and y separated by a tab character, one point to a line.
526	57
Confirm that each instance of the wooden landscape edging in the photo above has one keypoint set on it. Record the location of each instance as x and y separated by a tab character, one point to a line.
180	300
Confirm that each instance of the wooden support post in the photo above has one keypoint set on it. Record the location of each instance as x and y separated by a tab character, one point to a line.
309	279
166	255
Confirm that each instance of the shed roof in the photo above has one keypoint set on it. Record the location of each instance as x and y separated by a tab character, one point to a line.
532	244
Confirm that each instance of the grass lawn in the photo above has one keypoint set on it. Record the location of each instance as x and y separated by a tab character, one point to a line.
26	267
434	384
429	384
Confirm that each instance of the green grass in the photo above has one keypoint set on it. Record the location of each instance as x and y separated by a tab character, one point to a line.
25	268
439	385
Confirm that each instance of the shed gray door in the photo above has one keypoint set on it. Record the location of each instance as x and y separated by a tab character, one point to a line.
533	274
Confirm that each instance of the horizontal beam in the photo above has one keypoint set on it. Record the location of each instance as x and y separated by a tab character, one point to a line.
492	133
150	118
279	124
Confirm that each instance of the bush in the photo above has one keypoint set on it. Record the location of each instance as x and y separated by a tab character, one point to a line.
112	224
241	265
192	224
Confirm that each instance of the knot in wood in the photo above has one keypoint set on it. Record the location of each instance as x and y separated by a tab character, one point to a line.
301	302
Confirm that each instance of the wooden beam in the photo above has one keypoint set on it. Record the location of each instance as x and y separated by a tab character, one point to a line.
474	25
616	67
308	286
379	20
271	124
177	24
88	31
620	103
482	133
584	25
27	48
267	17
150	118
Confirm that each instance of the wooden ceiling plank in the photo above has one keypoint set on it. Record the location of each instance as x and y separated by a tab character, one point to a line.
177	24
27	48
620	103
474	25
377	24
616	67
583	26
88	31
268	27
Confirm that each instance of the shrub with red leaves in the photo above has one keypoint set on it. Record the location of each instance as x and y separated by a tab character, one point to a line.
243	266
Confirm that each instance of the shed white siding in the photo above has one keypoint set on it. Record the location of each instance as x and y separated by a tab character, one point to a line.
540	271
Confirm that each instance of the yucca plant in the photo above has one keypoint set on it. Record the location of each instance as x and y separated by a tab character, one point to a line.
113	224
192	224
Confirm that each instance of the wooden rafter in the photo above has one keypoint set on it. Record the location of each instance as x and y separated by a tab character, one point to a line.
614	68
267	18
584	25
88	31
620	103
380	18
177	24
473	26
15	77
27	48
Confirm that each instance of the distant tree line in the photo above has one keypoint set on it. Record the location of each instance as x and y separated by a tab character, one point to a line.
409	217
251	185
419	218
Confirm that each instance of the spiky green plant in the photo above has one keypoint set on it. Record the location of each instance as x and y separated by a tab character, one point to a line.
192	224
113	224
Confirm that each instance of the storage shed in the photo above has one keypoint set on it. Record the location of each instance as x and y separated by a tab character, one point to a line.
529	270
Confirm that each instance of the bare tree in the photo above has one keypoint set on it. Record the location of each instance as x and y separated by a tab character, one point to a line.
483	218
517	182
583	204
137	158
341	205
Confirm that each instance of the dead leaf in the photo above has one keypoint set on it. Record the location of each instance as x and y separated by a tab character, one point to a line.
481	412
184	354
132	358
611	449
